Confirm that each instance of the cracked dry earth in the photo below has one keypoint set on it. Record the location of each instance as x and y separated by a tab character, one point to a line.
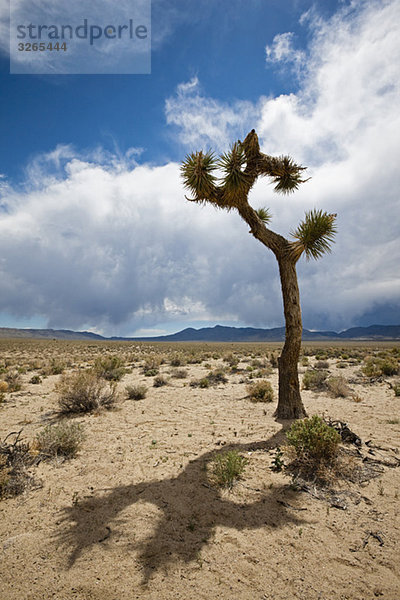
134	514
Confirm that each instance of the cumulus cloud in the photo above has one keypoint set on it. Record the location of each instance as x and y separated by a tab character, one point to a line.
283	52
101	241
113	246
204	122
344	124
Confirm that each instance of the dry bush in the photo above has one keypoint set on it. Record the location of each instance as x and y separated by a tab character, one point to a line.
151	365
338	387
314	380
14	381
217	376
227	468
84	392
64	440
15	458
261	391
178	360
159	381
375	366
201	383
136	392
321	365
315	445
111	368
3	390
232	360
179	373
396	388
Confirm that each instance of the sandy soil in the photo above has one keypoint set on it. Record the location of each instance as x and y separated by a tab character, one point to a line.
134	515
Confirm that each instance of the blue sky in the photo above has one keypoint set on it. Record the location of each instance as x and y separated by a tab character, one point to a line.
95	232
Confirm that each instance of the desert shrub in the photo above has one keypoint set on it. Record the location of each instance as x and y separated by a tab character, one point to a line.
111	368
136	392
3	390
322	364
84	392
56	367
389	367
35	379
227	468
159	381
375	367
371	369
341	365
396	389
151	366
14	381
261	391
201	383
304	361
217	376
15	458
313	440
63	440
232	360
179	373
177	361
338	387
314	380
273	360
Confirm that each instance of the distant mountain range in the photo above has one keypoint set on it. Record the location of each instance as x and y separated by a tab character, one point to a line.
216	334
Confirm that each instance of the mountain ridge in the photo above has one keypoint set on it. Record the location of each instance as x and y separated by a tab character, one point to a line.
218	333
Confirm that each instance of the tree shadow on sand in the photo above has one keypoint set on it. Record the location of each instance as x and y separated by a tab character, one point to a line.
190	511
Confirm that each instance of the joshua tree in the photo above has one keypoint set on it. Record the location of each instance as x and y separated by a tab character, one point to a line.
240	169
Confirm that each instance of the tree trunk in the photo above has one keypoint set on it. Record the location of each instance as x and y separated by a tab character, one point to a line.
290	405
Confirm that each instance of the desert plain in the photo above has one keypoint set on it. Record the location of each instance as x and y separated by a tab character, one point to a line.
136	514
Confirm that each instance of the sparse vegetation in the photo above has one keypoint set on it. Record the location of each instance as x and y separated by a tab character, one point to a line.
314	380
313	441
159	381
179	373
338	387
136	392
63	439
227	468
14	381
322	364
85	392
261	391
111	368
15	459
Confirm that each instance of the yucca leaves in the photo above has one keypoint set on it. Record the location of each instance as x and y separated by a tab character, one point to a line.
285	173
264	215
314	235
235	182
197	173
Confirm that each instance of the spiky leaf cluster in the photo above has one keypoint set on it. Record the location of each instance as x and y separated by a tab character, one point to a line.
264	215
197	173
314	235
285	173
235	182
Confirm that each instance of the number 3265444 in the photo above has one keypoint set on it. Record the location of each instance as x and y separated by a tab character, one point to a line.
41	46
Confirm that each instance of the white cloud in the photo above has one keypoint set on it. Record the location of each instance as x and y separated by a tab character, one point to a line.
117	248
344	124
101	241
282	51
205	122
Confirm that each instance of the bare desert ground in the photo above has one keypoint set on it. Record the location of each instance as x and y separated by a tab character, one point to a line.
135	513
